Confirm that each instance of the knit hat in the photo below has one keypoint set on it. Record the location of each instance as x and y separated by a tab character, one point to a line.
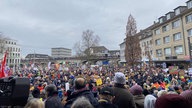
190	87
50	89
136	90
161	93
187	95
171	101
119	78
149	101
107	91
36	93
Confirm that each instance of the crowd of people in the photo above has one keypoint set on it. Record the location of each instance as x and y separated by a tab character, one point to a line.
107	87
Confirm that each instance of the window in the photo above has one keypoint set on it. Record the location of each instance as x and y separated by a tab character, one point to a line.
158	42
150	41
165	28
189	4
167	51
144	44
175	24
189	32
160	20
189	18
178	49
177	36
159	52
166	39
168	16
157	32
177	11
151	52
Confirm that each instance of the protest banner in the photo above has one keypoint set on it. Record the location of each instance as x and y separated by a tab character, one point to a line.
190	71
173	69
165	70
181	73
99	82
66	86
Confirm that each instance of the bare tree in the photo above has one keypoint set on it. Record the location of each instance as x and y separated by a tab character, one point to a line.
83	47
132	47
148	55
78	49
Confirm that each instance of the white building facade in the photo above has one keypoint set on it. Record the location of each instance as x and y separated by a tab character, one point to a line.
61	52
122	52
13	53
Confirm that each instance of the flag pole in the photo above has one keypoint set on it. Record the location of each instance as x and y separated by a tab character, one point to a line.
3	65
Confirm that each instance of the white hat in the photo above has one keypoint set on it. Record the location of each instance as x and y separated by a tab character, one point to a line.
119	78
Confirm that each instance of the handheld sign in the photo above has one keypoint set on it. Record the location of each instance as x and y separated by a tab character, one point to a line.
173	69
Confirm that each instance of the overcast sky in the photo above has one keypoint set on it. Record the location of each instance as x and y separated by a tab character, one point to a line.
39	25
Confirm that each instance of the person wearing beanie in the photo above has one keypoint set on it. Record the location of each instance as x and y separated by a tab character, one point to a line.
171	101
161	93
137	91
190	87
149	101
123	98
53	100
105	98
80	89
188	96
36	93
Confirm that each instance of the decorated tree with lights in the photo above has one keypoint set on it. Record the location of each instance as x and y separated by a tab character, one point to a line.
132	45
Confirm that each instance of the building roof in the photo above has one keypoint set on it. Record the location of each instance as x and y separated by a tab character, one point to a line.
180	7
169	12
61	48
114	50
97	49
37	56
147	32
122	43
188	1
175	17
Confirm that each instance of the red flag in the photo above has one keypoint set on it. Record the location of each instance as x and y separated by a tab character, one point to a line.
3	65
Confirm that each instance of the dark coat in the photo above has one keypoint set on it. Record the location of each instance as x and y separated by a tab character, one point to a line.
139	101
86	93
106	104
123	98
53	102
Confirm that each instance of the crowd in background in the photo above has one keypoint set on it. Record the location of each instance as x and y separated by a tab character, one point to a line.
108	86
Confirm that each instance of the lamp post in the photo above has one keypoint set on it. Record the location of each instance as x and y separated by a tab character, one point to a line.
189	43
